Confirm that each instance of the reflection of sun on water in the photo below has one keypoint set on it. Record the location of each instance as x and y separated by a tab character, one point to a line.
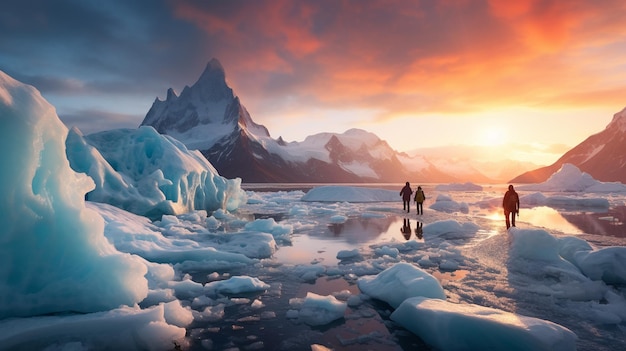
496	215
548	217
542	216
495	227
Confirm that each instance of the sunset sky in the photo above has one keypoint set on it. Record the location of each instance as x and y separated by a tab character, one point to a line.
542	74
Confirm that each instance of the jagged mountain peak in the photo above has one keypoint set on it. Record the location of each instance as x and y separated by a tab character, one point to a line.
171	94
203	114
214	65
213	73
211	86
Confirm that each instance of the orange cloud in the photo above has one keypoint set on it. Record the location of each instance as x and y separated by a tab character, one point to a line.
551	25
410	57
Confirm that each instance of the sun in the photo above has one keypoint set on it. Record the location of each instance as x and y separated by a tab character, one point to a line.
493	136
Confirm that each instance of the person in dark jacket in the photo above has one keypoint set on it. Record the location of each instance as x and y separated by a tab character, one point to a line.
510	204
419	200
406	196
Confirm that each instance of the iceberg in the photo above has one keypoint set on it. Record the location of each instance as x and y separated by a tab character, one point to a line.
332	193
51	243
150	174
570	179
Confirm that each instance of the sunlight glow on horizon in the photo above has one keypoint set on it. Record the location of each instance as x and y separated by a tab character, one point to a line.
523	134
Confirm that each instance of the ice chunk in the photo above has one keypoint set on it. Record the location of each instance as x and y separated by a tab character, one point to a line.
535	253
281	232
354	254
237	285
607	264
399	282
450	229
338	219
450	326
444	203
386	250
318	310
124	328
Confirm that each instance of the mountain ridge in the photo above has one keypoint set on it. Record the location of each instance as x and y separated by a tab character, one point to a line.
601	155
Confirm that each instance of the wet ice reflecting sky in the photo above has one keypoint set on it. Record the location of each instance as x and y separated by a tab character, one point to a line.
322	244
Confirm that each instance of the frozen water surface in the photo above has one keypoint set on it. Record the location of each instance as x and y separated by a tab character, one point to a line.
334	244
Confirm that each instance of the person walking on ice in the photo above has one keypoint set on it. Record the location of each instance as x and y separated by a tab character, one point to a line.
510	204
419	200
406	196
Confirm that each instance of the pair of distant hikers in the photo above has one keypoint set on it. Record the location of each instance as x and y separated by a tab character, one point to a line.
419	198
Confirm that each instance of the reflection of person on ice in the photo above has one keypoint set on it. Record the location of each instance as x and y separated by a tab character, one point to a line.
510	204
406	196
419	231
406	229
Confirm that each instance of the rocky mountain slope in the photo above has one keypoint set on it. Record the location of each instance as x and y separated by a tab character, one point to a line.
601	155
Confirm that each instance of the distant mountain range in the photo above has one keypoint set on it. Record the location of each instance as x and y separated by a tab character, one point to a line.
209	117
602	155
468	162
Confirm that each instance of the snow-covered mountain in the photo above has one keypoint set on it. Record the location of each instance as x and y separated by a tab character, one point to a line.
601	155
209	117
205	113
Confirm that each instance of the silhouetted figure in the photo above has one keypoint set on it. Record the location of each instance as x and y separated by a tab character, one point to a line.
510	204
419	232
419	200
406	196
406	229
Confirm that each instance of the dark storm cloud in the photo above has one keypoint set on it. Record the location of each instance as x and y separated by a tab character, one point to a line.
104	45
